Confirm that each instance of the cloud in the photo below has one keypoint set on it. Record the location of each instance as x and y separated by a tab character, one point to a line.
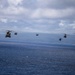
6	21
72	25
38	15
14	9
14	3
57	4
53	13
62	23
3	20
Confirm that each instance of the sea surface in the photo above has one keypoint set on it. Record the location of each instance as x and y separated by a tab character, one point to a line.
28	54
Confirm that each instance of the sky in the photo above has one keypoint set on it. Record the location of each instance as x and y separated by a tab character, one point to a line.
42	16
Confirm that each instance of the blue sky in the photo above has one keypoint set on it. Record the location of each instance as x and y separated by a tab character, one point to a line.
43	16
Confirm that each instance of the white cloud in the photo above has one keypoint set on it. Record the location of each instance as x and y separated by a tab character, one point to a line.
38	15
3	20
62	23
14	11
73	25
52	13
14	3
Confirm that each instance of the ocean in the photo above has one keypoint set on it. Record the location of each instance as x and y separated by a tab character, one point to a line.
28	54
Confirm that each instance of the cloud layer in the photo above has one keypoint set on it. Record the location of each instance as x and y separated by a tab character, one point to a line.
51	16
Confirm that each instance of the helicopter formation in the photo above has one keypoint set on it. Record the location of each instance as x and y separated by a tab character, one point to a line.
65	36
8	34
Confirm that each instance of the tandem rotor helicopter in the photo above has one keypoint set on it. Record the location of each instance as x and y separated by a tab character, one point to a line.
65	36
8	33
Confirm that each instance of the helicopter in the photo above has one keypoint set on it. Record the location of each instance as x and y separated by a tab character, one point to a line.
15	33
60	39
65	36
37	34
8	33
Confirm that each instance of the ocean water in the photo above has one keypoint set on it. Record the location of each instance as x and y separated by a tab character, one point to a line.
27	54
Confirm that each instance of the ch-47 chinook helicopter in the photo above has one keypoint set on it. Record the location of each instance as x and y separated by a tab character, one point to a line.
65	36
8	33
37	34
